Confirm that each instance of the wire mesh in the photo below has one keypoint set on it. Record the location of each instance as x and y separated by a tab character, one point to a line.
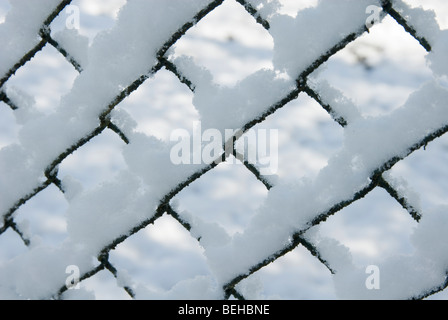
229	289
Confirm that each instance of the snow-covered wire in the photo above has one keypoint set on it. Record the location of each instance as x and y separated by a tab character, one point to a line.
162	60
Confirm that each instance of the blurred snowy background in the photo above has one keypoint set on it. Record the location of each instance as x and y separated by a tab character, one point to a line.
378	72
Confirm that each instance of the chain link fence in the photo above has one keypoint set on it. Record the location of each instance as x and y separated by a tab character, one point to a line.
28	170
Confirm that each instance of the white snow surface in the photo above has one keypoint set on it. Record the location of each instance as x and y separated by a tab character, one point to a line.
302	40
26	34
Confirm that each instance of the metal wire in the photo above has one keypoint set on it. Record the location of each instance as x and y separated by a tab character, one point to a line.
165	207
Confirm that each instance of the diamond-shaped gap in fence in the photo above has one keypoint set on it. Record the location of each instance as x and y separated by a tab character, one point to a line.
46	78
426	172
158	257
44	217
379	70
298	275
9	128
304	144
4	8
97	161
159	106
228	49
233	195
11	245
373	228
104	286
95	16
